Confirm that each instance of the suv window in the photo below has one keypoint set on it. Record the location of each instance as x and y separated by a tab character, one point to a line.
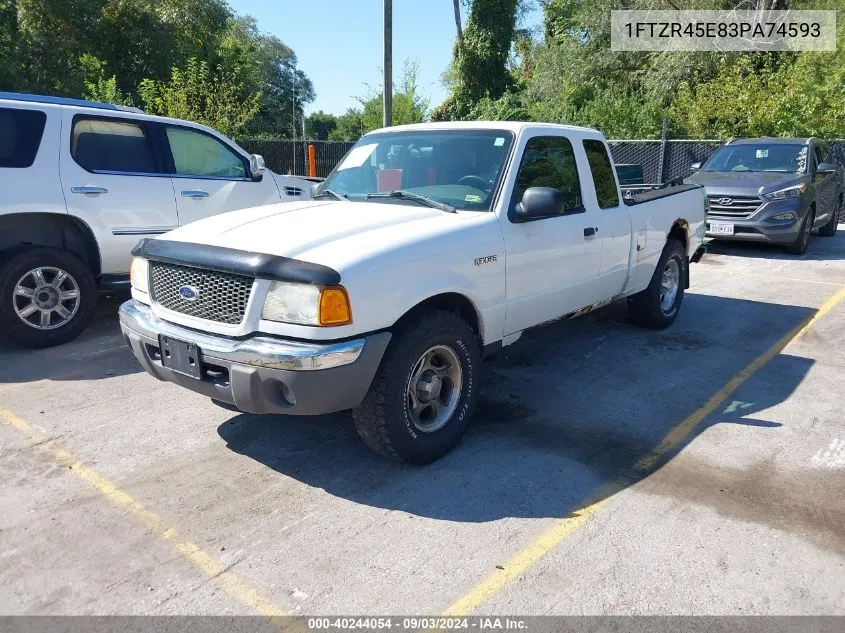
198	154
602	171
20	136
112	145
818	154
548	161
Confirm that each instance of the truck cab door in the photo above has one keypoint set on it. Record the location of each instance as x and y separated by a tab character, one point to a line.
113	179
211	177
613	218
552	262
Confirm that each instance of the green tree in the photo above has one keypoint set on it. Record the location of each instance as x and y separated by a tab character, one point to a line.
320	125
350	126
197	94
98	87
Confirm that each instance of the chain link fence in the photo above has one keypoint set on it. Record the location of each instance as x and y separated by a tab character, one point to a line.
661	160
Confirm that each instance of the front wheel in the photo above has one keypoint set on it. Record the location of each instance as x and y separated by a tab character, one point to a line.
829	229
47	296
802	241
658	306
423	395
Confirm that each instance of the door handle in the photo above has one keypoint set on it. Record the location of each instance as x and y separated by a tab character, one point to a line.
194	193
88	189
590	231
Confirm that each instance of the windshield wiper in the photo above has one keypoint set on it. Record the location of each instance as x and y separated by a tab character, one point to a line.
416	197
329	192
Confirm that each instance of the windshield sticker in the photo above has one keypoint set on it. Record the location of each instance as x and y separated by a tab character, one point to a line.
762	153
500	140
472	198
802	161
357	156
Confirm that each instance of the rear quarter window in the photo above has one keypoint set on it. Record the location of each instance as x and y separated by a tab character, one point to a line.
20	136
602	171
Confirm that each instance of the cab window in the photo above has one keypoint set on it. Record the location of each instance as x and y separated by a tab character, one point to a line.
549	161
198	154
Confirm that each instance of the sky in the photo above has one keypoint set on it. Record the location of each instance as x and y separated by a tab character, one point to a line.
339	43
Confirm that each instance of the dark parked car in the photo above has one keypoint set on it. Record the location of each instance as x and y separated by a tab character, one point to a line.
773	190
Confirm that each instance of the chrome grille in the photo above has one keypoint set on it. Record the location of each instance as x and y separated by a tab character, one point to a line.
739	207
220	297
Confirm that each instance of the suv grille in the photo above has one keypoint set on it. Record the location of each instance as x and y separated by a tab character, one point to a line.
739	206
220	297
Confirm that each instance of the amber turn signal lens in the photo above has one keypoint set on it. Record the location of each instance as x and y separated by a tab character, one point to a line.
334	306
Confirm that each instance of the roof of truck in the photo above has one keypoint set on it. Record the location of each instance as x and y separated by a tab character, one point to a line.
513	126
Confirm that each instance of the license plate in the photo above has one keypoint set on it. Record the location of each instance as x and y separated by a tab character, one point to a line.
721	228
180	356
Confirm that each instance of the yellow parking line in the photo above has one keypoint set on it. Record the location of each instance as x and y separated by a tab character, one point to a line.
562	528
209	565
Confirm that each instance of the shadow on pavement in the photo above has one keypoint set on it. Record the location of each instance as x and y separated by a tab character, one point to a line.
562	413
820	249
99	352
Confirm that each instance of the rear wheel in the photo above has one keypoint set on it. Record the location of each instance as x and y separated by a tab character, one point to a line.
658	306
47	296
802	242
829	229
423	395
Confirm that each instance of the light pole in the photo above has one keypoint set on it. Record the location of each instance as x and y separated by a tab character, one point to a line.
388	63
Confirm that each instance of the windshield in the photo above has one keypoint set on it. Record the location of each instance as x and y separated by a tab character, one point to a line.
759	157
461	168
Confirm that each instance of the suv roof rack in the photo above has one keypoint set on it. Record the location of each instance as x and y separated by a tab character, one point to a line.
31	98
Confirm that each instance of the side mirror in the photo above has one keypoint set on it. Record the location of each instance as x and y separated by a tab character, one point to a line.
695	167
314	188
539	202
825	168
256	166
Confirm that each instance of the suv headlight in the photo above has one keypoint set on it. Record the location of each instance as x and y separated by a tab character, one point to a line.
789	192
305	304
139	274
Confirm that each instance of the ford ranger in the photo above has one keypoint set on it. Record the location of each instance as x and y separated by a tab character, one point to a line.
428	247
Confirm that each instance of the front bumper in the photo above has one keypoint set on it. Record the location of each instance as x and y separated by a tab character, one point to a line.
261	374
761	226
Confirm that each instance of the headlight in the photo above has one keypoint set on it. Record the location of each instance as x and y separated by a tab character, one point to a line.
139	274
789	192
307	305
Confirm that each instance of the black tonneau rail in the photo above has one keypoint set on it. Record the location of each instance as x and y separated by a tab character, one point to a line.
669	189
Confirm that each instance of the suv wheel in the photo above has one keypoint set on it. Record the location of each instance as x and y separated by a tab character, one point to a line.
799	246
829	229
47	296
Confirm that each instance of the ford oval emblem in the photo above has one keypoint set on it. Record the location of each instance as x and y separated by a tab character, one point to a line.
189	293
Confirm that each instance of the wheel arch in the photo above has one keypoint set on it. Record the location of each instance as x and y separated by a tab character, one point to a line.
455	302
60	231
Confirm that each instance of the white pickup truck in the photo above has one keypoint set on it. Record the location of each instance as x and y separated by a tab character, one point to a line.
81	182
426	248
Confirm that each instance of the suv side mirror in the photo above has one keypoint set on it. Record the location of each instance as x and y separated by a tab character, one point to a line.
539	202
695	167
256	166
825	168
314	188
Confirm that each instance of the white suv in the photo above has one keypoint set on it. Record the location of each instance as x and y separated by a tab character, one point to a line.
82	182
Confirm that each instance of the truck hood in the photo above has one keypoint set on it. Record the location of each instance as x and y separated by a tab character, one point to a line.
744	183
332	233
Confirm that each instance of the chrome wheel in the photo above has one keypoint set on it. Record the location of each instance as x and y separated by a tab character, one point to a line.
669	285
46	298
434	388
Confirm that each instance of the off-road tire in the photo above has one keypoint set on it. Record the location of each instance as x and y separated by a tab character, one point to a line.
644	307
16	264
383	419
